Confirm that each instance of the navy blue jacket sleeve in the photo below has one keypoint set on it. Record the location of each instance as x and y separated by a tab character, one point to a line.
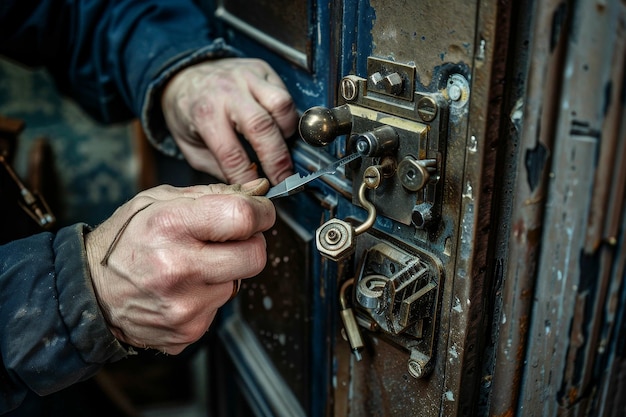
112	56
53	333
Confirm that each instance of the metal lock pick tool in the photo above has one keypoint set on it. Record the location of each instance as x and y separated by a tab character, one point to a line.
295	183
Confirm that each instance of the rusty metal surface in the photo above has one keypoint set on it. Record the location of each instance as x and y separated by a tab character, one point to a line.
443	38
426	33
570	330
532	120
438	37
383	387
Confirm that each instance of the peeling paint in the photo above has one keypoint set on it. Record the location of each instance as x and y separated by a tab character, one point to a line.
453	352
468	191
535	162
473	144
517	114
457	305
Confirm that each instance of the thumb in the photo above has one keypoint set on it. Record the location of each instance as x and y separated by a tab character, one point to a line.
258	187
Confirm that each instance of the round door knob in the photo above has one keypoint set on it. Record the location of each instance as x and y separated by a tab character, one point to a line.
319	126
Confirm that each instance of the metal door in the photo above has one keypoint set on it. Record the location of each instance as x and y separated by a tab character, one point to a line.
441	273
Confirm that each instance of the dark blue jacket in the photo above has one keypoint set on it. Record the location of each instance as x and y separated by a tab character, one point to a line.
113	57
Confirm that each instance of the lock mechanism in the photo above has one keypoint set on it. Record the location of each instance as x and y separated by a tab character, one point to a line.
387	98
398	289
384	118
401	136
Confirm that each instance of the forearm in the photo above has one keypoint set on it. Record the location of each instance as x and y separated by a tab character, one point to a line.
112	57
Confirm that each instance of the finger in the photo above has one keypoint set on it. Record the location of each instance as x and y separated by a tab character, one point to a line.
179	321
223	142
218	263
255	187
260	129
276	100
219	218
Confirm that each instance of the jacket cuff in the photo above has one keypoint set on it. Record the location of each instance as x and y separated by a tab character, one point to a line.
152	117
78	305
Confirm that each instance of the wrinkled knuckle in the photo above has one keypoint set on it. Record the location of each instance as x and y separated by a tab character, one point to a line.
281	103
233	159
202	110
167	275
260	125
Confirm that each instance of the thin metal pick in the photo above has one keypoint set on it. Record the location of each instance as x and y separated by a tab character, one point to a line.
295	183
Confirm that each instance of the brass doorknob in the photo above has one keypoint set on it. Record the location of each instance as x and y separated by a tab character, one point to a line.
319	125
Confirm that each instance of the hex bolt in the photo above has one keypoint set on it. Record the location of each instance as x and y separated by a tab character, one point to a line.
422	215
393	84
335	239
427	109
376	78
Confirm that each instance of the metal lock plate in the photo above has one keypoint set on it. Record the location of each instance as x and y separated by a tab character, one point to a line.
420	120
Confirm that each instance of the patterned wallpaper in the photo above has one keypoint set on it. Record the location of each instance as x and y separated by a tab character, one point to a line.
96	164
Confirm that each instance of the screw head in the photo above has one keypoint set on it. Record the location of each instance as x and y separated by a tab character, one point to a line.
332	236
416	370
372	177
454	92
427	109
419	364
349	89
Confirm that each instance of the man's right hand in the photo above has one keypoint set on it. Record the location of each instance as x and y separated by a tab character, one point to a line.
164	262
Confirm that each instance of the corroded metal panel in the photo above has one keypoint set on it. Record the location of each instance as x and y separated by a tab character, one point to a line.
429	34
570	334
443	39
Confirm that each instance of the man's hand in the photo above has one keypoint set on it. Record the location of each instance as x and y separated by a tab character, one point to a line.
206	104
164	262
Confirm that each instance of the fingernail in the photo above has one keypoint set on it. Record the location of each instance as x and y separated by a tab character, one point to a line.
258	186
